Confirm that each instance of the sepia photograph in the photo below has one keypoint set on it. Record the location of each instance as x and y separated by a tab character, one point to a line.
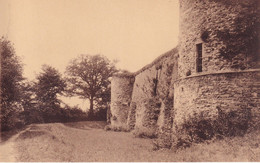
129	81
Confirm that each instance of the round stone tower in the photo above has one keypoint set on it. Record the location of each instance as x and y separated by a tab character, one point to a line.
121	94
218	64
218	35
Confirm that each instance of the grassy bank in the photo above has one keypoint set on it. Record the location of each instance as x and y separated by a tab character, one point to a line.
87	141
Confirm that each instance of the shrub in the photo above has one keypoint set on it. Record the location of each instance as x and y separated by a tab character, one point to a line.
199	128
72	114
145	132
100	114
107	128
123	128
32	116
11	118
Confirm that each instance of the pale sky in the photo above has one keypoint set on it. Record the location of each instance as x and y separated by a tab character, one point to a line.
53	32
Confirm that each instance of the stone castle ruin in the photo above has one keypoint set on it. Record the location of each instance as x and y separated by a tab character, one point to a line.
207	86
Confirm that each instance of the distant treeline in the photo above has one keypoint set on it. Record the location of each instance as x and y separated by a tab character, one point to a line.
24	102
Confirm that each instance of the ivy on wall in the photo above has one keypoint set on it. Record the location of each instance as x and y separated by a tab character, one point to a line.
243	38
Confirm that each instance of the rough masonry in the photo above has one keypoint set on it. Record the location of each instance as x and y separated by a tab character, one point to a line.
208	85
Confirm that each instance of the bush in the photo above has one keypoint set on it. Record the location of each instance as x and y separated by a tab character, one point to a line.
32	116
100	114
54	114
145	133
199	128
73	114
123	128
11	118
164	140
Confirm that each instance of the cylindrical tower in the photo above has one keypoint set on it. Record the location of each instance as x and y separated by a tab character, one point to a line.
218	64
121	94
218	35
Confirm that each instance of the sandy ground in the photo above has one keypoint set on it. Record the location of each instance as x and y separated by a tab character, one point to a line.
87	141
7	152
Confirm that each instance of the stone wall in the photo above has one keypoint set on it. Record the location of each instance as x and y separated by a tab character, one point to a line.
208	96
170	99
228	31
121	93
1	50
139	99
151	94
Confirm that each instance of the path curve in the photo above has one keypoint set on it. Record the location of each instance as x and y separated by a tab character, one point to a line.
8	152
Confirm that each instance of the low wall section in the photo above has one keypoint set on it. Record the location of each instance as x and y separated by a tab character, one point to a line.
208	96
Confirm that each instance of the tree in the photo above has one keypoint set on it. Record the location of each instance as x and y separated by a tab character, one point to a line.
49	85
11	77
89	78
11	73
28	94
31	112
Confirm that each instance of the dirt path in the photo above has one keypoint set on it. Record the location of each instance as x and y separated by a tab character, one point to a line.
88	142
8	153
56	142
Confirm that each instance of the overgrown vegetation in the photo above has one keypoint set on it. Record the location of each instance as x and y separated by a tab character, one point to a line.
144	132
73	145
123	128
243	38
227	124
25	102
11	87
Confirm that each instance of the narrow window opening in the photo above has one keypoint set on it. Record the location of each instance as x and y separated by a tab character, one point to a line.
158	74
199	57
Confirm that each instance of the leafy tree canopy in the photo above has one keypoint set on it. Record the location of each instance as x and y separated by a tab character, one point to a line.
11	73
89	78
10	82
49	84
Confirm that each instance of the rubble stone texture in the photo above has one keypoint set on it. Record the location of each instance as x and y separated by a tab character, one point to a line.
121	93
152	91
224	28
180	103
